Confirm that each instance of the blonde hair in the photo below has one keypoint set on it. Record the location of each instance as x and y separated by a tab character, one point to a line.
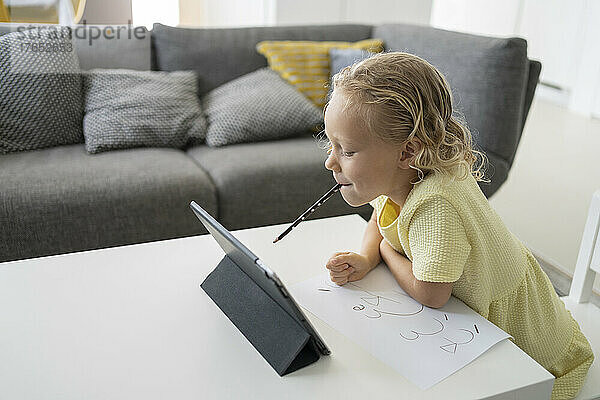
400	96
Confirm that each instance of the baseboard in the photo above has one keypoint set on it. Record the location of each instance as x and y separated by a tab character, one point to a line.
560	279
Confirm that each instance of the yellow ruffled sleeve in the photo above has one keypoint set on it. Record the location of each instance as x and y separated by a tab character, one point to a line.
378	203
438	241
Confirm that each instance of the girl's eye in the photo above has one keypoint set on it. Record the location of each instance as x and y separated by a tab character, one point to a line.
340	151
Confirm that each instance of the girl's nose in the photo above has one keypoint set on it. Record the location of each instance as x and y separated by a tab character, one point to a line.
331	163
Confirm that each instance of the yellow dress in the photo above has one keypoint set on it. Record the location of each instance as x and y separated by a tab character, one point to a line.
449	231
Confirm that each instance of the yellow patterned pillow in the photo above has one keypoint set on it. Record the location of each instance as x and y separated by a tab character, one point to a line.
305	64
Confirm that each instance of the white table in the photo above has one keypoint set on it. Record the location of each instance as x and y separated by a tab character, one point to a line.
132	323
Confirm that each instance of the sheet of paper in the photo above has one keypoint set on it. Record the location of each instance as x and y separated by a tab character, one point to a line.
425	345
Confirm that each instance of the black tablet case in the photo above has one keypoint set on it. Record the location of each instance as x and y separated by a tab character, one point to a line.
277	336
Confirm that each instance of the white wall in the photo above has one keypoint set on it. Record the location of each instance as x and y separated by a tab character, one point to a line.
586	85
388	11
227	13
596	103
486	17
290	12
147	12
562	35
213	13
106	12
554	32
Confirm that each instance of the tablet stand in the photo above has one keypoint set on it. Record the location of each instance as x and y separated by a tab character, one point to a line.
277	336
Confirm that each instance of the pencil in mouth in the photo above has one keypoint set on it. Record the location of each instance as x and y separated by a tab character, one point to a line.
310	210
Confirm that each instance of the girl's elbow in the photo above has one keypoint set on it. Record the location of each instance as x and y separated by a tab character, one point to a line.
435	302
434	295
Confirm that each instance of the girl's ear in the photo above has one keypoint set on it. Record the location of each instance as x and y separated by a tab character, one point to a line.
408	152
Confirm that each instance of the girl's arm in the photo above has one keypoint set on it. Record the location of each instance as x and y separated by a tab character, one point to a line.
430	294
371	242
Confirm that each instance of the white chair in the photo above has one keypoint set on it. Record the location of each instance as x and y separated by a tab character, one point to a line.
578	300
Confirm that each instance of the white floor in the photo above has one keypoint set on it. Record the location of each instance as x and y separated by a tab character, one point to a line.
546	197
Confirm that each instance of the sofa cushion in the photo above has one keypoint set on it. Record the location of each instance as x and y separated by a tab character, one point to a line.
126	108
9	27
6	28
120	46
270	182
220	55
341	58
305	64
257	106
40	90
62	199
488	77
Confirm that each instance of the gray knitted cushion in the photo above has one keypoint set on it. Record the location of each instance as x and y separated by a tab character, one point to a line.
126	108
257	106
40	90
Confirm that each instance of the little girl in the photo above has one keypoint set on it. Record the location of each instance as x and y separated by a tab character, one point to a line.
394	143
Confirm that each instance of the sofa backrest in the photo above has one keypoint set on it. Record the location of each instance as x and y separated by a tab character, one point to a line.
105	46
119	46
220	55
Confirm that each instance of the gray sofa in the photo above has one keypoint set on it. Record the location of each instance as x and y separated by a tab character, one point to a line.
61	199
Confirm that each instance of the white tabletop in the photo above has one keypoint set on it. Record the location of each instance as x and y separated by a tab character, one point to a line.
131	322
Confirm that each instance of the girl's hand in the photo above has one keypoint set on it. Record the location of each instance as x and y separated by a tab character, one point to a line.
347	267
